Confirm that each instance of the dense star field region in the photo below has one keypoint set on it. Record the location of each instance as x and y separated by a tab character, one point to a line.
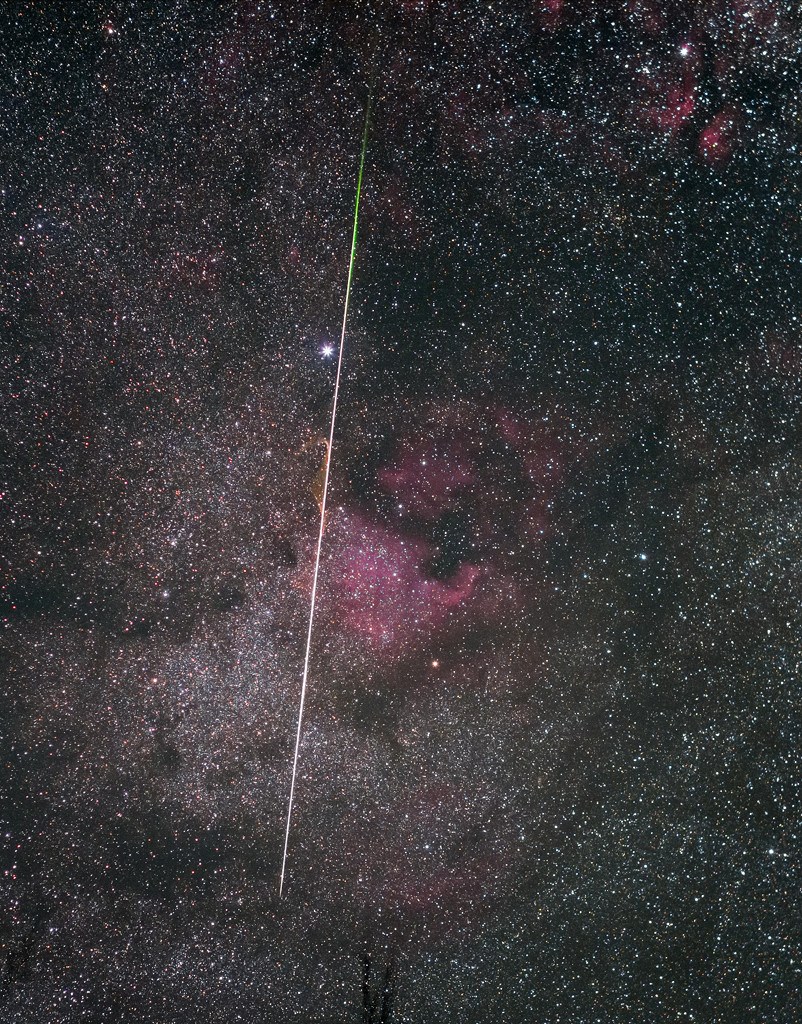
550	766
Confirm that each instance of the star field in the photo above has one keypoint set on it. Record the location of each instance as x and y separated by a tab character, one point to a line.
550	763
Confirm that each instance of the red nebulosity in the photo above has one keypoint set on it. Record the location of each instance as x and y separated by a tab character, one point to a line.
551	13
784	355
473	118
379	588
388	206
386	585
413	7
223	66
537	446
753	15
458	124
428	475
672	101
718	138
409	868
542	457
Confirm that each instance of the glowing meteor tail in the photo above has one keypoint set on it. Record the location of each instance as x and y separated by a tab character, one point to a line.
323	503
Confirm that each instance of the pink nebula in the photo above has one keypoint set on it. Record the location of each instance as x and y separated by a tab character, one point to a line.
672	104
428	475
717	139
543	458
411	870
379	589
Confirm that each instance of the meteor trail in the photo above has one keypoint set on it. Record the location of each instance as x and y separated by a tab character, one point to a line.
323	503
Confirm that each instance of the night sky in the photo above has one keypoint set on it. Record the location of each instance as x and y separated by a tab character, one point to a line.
551	765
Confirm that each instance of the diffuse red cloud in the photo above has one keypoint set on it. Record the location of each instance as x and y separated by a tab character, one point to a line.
433	472
719	137
407	867
671	102
388	205
659	71
501	472
429	474
378	587
543	458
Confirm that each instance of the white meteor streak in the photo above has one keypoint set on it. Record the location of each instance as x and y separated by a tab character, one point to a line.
305	676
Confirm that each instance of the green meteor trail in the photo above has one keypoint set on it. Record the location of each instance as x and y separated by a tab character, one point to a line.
324	497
